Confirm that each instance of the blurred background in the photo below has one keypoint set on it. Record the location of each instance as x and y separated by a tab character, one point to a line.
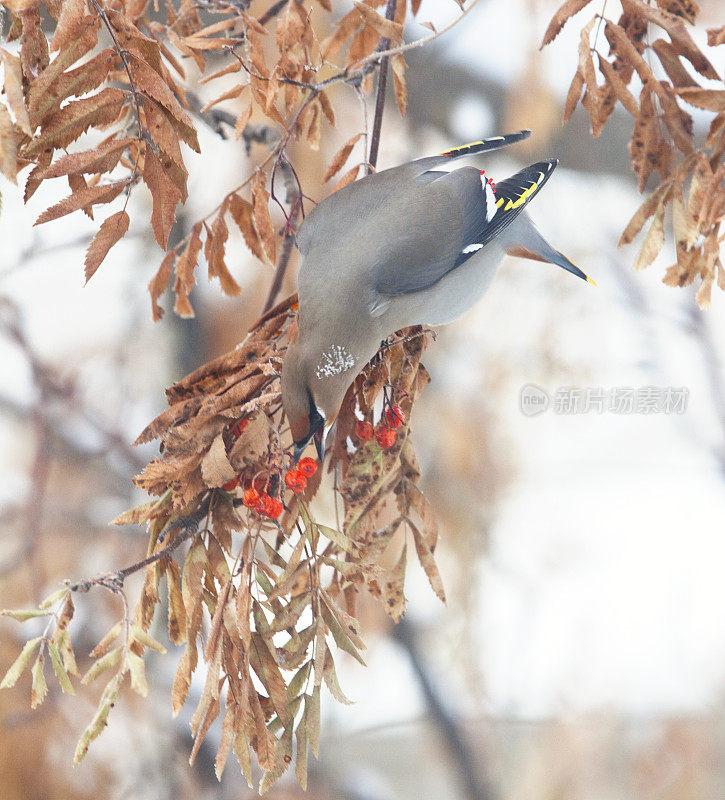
581	653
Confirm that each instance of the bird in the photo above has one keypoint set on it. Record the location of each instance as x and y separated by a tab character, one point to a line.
405	246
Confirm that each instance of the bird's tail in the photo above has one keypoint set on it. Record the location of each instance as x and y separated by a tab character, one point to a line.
512	195
485	145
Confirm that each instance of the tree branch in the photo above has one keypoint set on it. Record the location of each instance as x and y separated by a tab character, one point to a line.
380	98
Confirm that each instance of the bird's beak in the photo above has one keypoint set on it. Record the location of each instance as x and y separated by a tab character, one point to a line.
551	256
299	448
564	263
319	440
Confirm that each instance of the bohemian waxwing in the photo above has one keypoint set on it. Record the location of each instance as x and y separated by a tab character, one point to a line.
405	246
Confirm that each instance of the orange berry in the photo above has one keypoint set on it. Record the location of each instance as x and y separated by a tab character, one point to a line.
251	498
385	437
263	504
364	430
274	508
295	481
395	417
307	467
292	478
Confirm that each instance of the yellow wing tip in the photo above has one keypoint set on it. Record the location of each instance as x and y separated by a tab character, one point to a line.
589	280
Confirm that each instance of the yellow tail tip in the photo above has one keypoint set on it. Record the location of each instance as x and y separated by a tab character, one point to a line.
589	280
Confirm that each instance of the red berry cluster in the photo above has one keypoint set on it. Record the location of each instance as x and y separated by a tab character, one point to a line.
262	503
384	433
296	479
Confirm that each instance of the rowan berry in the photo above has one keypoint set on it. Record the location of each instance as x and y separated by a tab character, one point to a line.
384	436
364	430
395	417
307	467
263	505
251	498
295	481
273	508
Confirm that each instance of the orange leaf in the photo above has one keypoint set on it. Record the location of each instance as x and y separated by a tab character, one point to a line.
327	108
108	234
152	84
709	99
87	196
165	195
625	97
347	178
243	214
78	183
671	63
401	90
71	22
162	131
385	27
716	36
101	159
185	267
8	146
242	120
340	158
573	95
562	16
158	283
76	117
262	219
13	89
53	86
675	27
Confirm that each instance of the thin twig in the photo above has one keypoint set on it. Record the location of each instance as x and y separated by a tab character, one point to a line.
136	98
271	12
189	528
380	98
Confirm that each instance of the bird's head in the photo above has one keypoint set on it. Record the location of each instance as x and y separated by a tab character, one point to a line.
309	412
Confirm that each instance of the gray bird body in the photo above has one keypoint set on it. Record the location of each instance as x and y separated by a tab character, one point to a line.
405	246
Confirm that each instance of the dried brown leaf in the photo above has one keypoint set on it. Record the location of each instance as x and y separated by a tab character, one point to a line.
71	22
653	241
262	219
165	195
675	27
401	90
347	178
716	36
158	284
99	160
573	95
385	27
562	16
656	200
617	85
8	145
709	99
243	215
111	230
340	158
90	195
13	88
671	64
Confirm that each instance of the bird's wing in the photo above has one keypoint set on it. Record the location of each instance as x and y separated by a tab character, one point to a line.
421	165
336	213
468	215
